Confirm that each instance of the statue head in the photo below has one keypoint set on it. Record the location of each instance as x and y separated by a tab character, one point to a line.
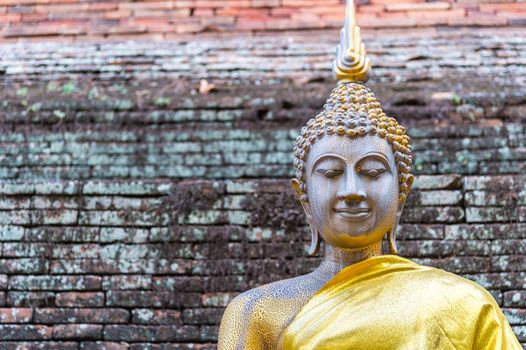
352	161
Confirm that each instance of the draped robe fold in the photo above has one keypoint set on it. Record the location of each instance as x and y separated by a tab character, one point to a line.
389	302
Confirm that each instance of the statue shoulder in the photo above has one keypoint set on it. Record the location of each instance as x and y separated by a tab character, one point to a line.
256	318
477	308
455	294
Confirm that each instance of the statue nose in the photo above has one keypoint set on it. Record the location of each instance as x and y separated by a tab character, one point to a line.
351	190
357	196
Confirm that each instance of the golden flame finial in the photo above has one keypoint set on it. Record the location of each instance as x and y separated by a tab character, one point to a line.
351	63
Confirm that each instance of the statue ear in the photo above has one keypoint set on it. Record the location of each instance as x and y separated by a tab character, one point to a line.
315	236
401	203
391	234
305	204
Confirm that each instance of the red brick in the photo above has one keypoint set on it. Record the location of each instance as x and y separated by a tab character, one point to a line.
103	345
477	21
80	299
83	315
243	13
308	3
388	22
515	14
25	332
437	14
154	316
154	5
34	17
397	14
14	17
77	331
15	315
186	26
265	3
370	8
21	31
151	36
428	6
117	14
204	12
102	6
503	7
321	10
61	8
250	24
383	2
282	11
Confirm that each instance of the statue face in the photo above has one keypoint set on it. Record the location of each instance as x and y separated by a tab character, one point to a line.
352	186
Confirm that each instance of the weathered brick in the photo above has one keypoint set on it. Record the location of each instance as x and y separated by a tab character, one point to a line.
55	283
511	263
11	233
30	299
514	316
82	315
459	265
408	231
103	345
217	299
485	231
208	316
120	266
423	198
445	248
124	135
63	234
495	214
125	188
433	215
156	317
151	299
503	280
515	298
126	282
40	345
25	332
77	331
23	265
151	333
489	182
26	250
15	315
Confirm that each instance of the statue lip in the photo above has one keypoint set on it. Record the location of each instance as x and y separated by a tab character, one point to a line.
353	213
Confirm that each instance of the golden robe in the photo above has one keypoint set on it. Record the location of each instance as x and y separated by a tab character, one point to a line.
389	302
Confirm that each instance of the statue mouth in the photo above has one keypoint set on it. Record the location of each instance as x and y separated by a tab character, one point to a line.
353	213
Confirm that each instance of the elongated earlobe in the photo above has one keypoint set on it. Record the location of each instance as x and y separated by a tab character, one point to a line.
314	248
391	240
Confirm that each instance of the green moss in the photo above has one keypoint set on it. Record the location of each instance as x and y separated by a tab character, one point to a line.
162	101
23	91
69	88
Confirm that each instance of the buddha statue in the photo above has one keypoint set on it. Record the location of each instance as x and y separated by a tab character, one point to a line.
353	174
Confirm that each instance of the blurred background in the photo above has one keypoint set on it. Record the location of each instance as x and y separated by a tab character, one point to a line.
146	151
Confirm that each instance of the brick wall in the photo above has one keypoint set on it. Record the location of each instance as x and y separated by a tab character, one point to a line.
137	200
108	19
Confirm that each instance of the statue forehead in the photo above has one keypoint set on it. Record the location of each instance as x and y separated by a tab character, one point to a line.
349	148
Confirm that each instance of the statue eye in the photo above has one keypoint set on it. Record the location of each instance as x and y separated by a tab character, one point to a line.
374	173
330	173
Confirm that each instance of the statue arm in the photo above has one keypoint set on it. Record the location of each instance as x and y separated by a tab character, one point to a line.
493	330
239	328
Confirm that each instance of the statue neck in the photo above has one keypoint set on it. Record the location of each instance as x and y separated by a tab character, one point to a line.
335	259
